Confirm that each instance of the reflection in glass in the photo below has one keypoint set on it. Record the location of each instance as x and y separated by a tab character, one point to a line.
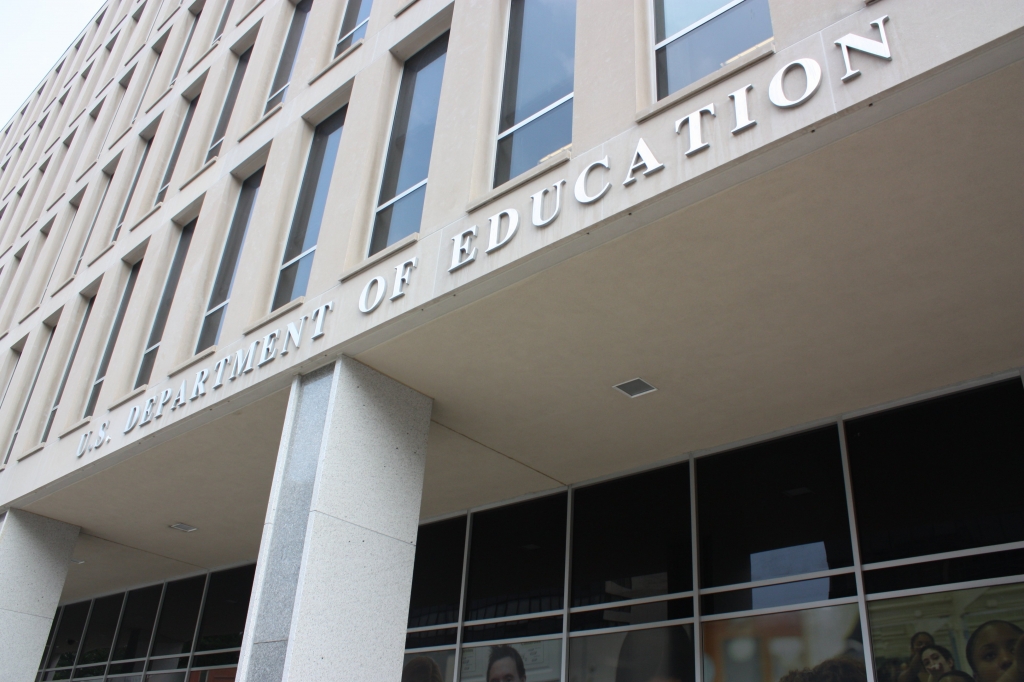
422	639
783	594
353	27
539	661
309	211
618	616
523	148
818	645
431	666
978	628
632	538
221	294
227	602
710	45
659	654
772	510
69	635
539	70
945	571
178	617
966	446
533	627
412	138
437	576
517	559
99	637
286	65
137	623
229	101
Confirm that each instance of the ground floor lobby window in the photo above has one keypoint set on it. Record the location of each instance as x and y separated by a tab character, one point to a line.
888	547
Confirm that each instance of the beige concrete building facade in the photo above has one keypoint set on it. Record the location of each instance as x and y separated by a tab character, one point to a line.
286	286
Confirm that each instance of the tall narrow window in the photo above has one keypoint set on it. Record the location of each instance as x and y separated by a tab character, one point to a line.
400	204
229	105
67	371
223	20
92	225
283	77
60	251
221	294
536	101
164	308
184	50
14	370
131	190
695	39
108	351
28	398
353	26
173	161
149	80
309	212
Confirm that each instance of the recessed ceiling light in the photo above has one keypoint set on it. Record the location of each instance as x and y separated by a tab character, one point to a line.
635	388
183	527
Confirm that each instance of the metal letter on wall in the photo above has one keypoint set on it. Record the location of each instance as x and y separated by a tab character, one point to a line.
865	45
812	70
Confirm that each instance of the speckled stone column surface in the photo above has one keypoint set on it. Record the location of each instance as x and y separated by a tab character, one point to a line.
34	556
331	594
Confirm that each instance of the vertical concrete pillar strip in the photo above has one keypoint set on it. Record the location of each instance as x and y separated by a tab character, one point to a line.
348	608
34	556
277	568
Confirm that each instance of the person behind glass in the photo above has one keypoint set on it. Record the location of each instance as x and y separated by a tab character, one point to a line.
915	671
956	676
505	665
937	661
996	652
422	669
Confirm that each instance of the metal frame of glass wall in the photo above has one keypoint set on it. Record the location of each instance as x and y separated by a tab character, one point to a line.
1003	565
208	659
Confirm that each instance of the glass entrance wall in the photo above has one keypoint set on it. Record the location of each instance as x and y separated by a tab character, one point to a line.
883	548
184	630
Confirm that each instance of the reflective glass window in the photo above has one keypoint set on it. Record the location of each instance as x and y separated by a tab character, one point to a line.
437	576
69	635
795	646
617	615
632	537
781	594
163	309
538	82
517	559
178	616
436	666
115	331
99	636
939	475
222	24
229	101
67	371
131	190
923	637
696	38
353	26
660	654
292	42
773	510
309	211
227	602
137	623
165	184
536	661
220	296
403	187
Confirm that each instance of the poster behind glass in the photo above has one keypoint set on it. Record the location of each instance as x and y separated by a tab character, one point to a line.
429	666
662	654
813	645
536	661
974	635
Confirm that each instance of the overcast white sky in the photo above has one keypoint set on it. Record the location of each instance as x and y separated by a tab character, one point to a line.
33	36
